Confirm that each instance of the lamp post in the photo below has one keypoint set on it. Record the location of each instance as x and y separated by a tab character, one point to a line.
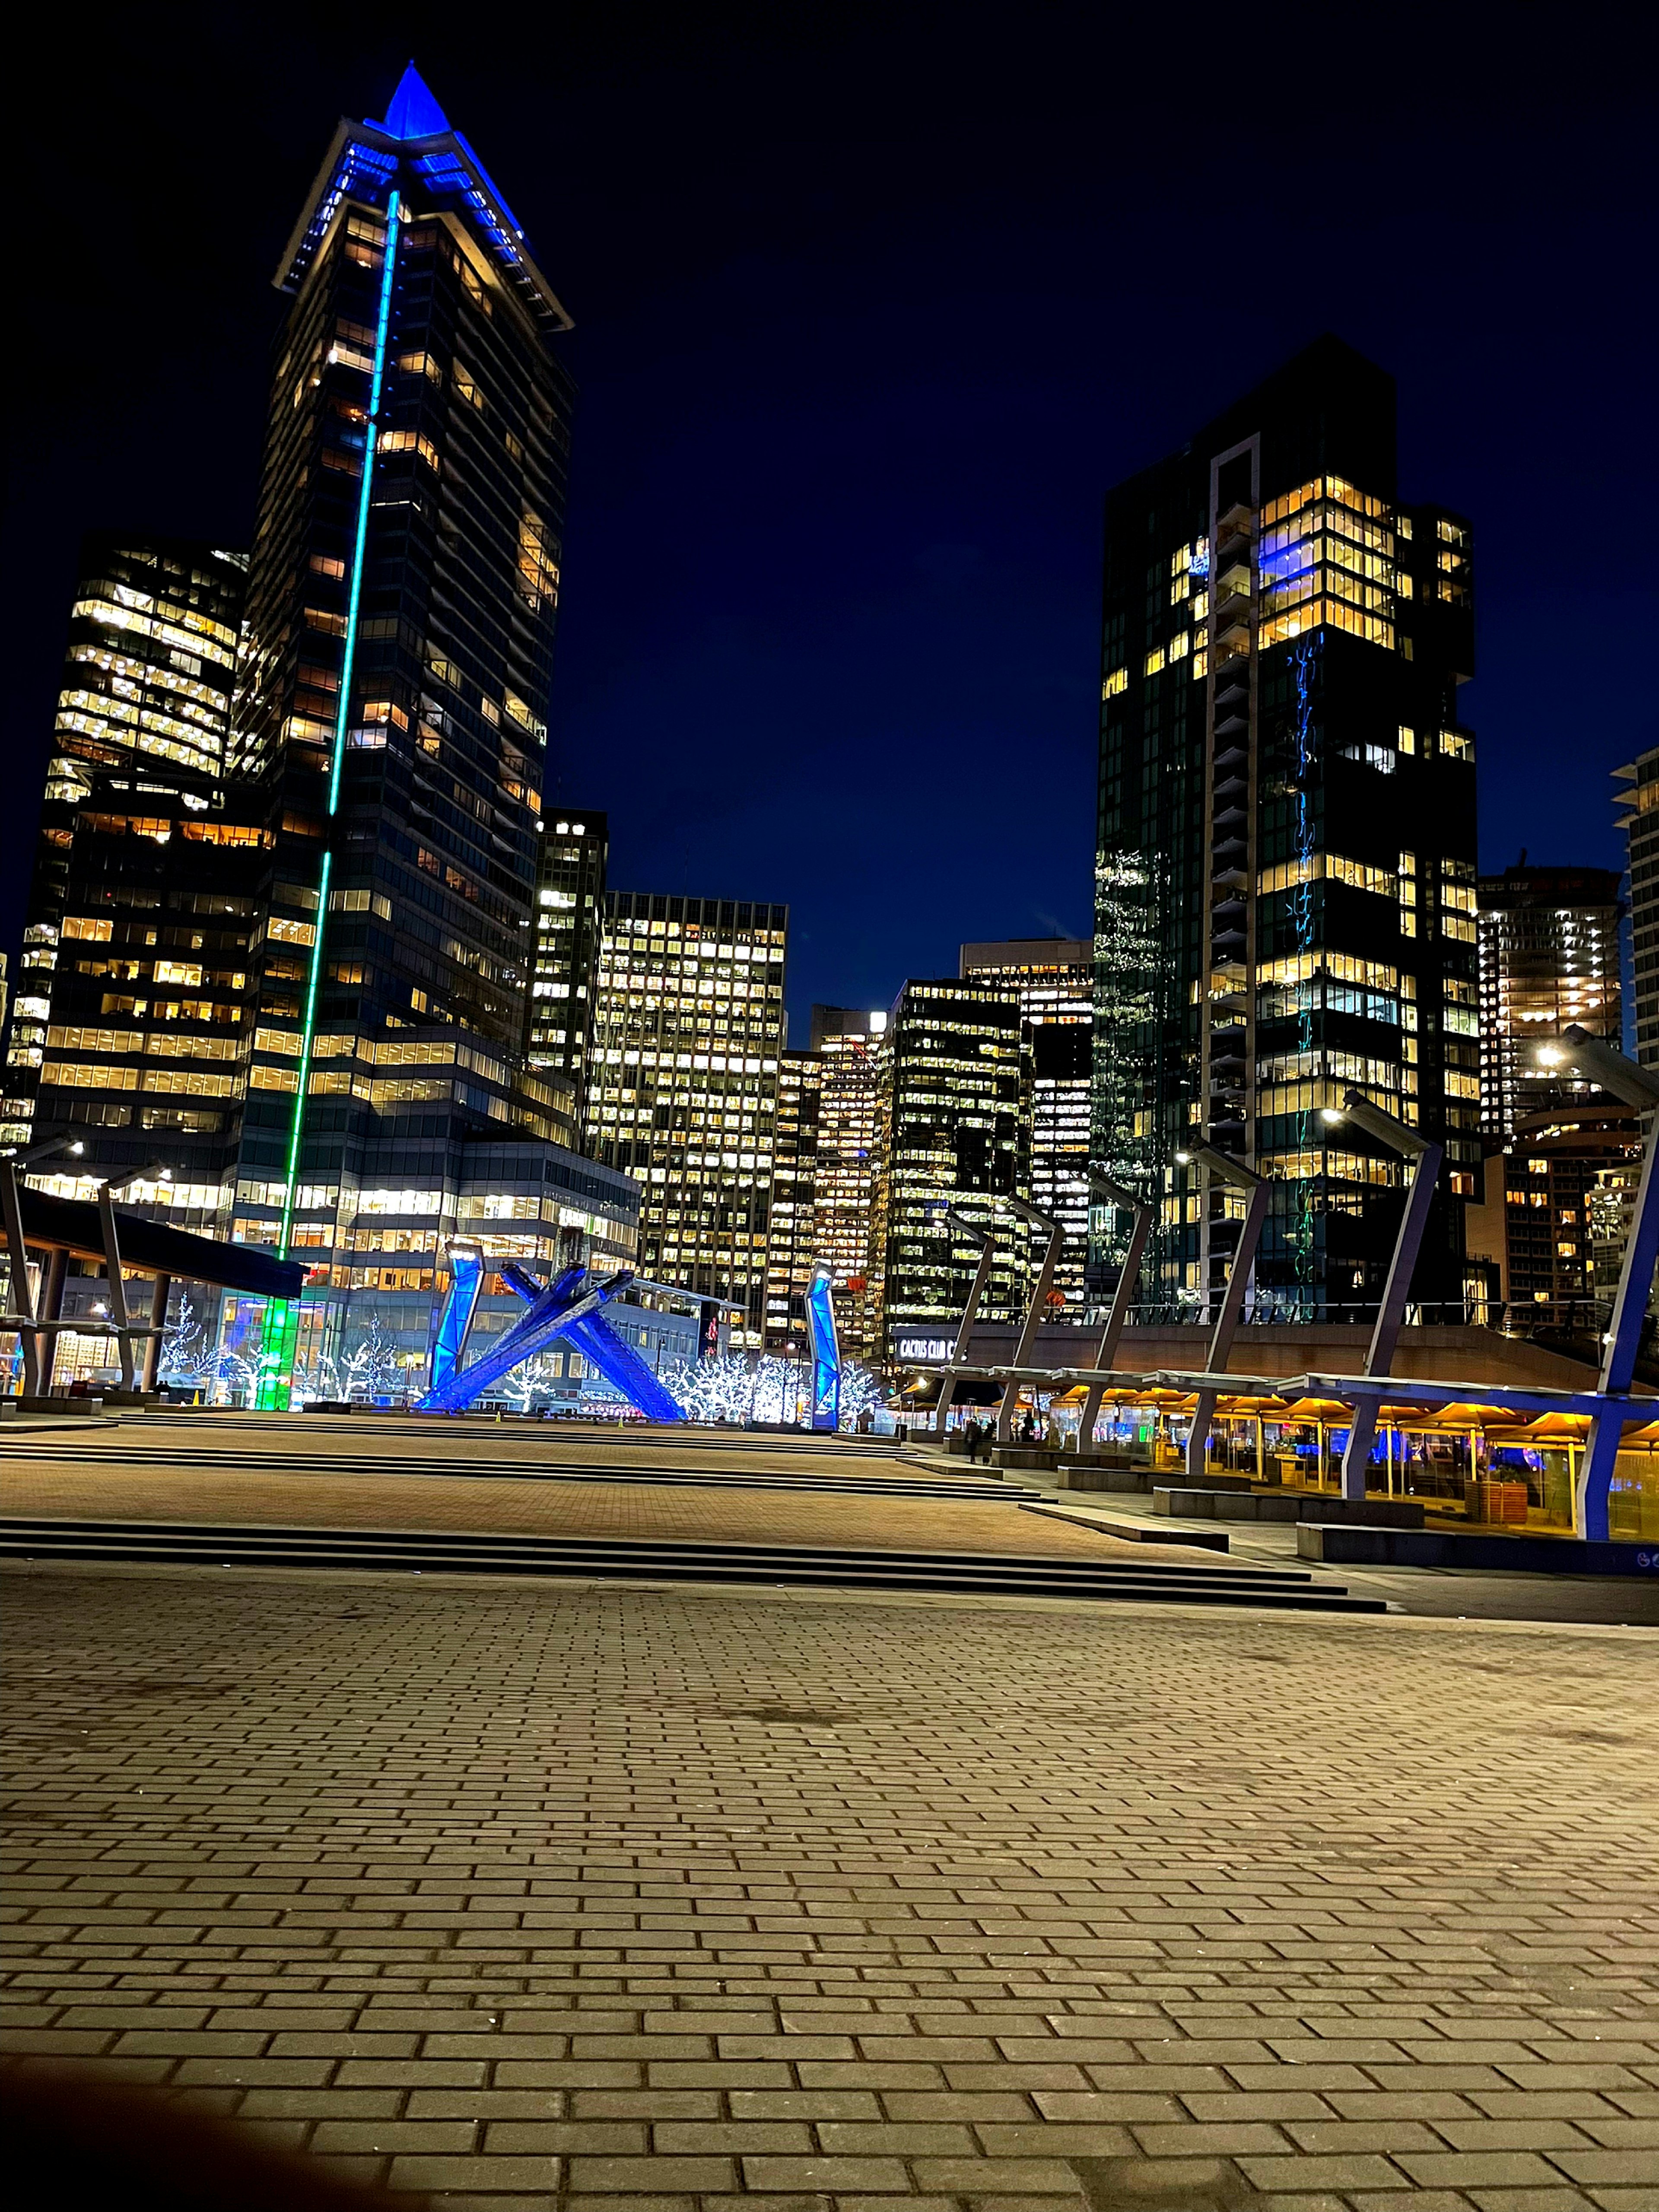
22	1316
1391	1313
1238	1275
1637	1087
1025	1211
1104	1191
947	1389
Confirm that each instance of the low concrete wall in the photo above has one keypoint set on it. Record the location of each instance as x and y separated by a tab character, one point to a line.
1529	1555
1212	1505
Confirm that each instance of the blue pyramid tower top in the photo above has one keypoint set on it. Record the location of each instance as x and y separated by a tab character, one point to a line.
414	113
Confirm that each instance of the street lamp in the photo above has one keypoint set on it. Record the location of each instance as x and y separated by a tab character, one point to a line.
1576	1050
1410	1144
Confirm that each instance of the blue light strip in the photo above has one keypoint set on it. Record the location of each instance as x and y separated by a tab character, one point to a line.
377	377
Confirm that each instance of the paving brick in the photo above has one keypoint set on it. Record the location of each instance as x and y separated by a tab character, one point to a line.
1020	1900
841	2176
607	2176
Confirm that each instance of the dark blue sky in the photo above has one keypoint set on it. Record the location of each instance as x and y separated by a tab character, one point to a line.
871	305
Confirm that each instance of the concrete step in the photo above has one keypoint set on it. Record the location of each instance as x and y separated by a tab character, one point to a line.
420	1551
509	1468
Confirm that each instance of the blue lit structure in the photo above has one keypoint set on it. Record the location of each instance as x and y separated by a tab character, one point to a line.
568	1308
365	157
826	1349
466	1274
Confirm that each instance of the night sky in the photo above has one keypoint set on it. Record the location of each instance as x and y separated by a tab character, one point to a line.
872	304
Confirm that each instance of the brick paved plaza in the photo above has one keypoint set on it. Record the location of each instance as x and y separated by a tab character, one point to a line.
641	1897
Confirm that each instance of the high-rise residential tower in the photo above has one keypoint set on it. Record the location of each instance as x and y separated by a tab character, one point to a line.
852	1046
955	1116
1639	818
569	924
1549	957
393	696
683	1089
791	1232
1285	871
1054	979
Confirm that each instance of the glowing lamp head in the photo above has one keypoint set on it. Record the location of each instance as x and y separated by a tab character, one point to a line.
1330	1114
77	1148
1551	1055
1183	1159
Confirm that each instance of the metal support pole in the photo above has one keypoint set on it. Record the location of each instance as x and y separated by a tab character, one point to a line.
117	1291
1591	1518
54	1276
1232	1307
1118	1312
158	1319
1590	1513
1638	1086
1629	1305
1034	1312
21	1304
947	1389
1391	1315
1401	1138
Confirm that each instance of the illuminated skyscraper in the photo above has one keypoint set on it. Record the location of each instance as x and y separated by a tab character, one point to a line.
851	1044
129	1025
1286	872
1549	956
569	924
1054	980
1639	818
394	698
791	1230
683	1090
955	1112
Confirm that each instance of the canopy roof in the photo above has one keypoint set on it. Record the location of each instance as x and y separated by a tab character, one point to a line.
73	1224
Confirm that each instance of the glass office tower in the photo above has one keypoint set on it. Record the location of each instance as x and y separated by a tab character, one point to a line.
136	771
955	1117
791	1229
569	924
683	1090
400	614
1286	869
852	1045
1054	978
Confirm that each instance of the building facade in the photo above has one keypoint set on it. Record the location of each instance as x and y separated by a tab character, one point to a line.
1054	980
569	924
683	1093
392	697
1286	866
1549	956
136	773
954	1116
289	950
1639	818
851	1044
792	1237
